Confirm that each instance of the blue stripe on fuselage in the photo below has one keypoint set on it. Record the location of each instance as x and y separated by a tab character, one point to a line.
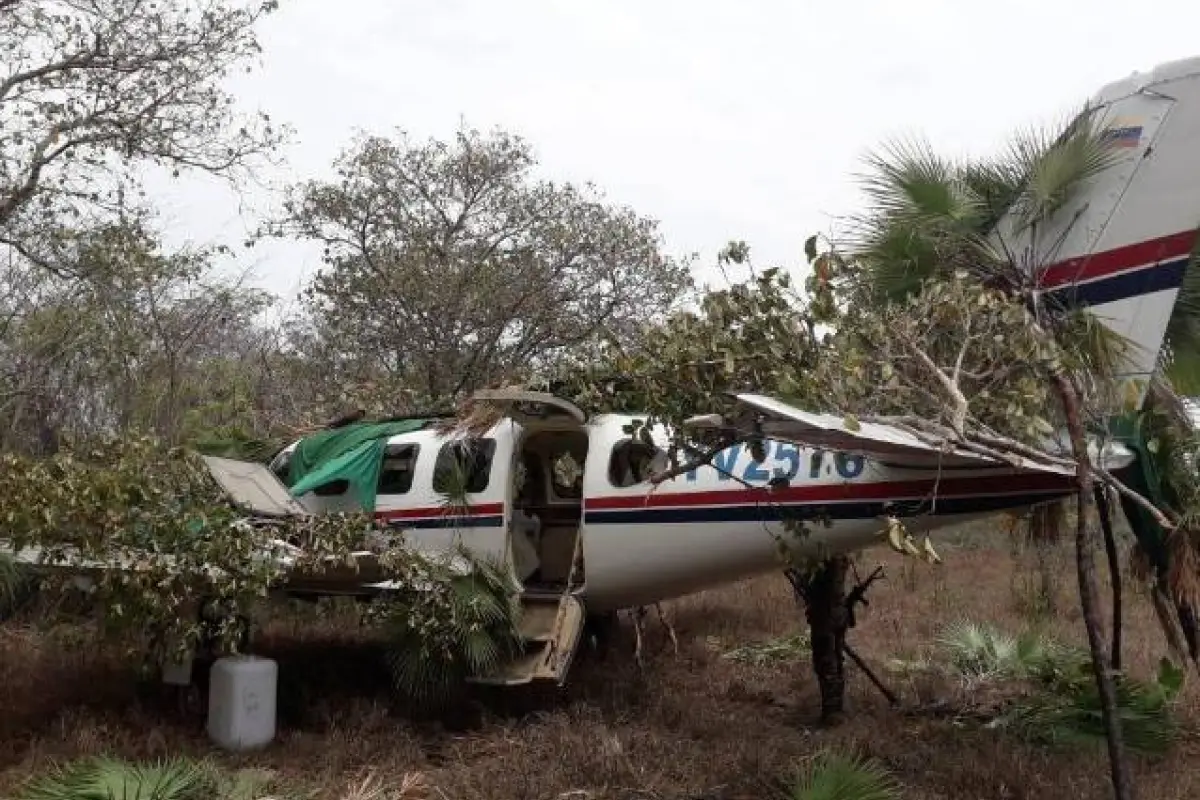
774	512
1153	278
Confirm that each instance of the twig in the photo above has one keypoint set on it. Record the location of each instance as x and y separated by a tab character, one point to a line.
1158	515
704	459
958	419
962	352
885	691
1024	450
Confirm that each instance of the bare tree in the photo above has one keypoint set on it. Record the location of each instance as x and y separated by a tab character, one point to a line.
92	91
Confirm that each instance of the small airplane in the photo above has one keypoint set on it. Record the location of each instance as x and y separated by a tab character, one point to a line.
607	535
611	537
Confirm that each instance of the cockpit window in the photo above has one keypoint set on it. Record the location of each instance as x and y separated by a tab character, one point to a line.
398	468
633	462
281	466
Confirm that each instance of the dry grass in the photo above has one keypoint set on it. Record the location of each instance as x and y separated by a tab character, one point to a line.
693	726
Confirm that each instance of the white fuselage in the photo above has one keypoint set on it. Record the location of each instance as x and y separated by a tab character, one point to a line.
642	543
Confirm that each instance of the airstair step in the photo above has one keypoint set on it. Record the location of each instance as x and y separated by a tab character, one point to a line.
537	621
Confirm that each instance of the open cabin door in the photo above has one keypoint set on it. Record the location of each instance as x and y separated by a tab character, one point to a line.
532	408
551	624
552	616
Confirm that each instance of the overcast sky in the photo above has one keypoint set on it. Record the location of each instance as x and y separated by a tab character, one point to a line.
721	119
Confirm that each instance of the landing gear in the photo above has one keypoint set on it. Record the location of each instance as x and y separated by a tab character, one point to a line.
639	619
599	631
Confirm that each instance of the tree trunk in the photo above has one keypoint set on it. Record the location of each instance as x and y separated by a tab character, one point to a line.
825	610
1088	592
1104	505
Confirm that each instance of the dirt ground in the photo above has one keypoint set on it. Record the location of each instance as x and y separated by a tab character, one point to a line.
692	725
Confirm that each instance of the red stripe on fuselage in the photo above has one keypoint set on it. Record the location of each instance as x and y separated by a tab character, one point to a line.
1119	259
481	510
820	493
833	492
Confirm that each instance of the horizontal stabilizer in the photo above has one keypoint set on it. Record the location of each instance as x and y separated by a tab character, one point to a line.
888	443
829	432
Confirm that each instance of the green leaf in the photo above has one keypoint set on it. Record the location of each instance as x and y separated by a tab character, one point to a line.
1170	677
834	776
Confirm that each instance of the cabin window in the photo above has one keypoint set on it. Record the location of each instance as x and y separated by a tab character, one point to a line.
464	466
399	467
281	467
566	475
633	462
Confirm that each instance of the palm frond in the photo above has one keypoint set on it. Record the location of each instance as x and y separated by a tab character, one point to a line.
979	651
1182	369
452	478
1071	713
926	216
474	633
996	183
1095	349
836	776
15	584
898	259
1055	168
983	652
110	779
909	181
1064	706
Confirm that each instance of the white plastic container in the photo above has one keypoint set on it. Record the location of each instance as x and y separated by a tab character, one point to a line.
241	702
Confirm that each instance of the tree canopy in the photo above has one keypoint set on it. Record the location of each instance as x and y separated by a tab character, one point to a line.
450	266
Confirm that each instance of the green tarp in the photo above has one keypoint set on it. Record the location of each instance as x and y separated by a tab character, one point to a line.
1146	479
353	453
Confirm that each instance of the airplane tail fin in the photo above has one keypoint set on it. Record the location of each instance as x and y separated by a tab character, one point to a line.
1122	245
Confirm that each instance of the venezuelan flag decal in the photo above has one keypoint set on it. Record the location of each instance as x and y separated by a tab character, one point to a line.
1123	132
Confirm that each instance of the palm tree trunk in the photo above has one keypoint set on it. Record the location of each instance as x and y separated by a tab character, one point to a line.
1088	591
1104	505
825	609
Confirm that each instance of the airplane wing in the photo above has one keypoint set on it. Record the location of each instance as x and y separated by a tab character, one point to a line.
883	443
